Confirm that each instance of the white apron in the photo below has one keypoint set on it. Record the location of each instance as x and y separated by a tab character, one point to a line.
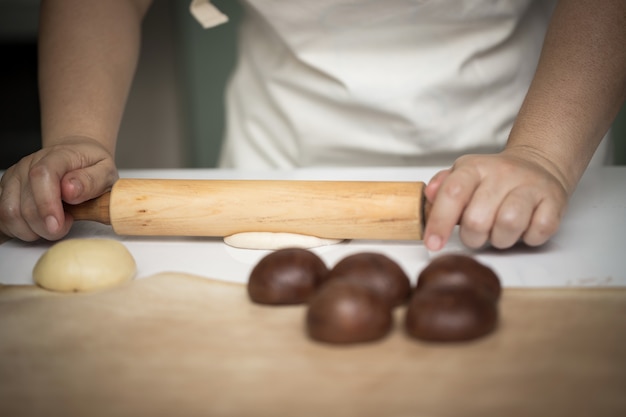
378	82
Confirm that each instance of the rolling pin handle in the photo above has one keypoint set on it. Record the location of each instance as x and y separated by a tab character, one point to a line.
96	209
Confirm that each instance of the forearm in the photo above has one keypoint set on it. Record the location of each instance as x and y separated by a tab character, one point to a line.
578	89
87	57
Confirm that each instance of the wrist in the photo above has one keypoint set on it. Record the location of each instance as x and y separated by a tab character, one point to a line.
550	164
73	140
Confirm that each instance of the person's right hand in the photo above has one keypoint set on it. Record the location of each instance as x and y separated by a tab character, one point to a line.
32	191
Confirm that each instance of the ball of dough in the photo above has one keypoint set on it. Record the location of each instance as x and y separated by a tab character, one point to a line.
78	265
286	276
377	272
450	315
344	313
455	270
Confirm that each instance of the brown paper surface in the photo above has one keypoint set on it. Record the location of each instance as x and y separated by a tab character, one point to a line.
177	345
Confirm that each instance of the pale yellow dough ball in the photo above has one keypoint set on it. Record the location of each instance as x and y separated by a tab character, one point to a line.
78	265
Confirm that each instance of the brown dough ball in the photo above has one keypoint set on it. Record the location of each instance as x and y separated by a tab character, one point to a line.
342	312
456	270
376	272
450	315
286	276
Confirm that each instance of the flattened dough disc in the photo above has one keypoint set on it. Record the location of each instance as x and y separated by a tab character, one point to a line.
275	241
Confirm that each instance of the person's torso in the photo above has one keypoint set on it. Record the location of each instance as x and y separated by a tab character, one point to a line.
378	82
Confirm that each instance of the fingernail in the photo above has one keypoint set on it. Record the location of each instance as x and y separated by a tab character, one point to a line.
433	242
52	224
77	185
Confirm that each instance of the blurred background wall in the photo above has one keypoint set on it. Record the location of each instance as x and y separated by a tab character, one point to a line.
174	116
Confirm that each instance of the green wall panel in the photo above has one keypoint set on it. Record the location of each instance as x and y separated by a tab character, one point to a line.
206	57
619	138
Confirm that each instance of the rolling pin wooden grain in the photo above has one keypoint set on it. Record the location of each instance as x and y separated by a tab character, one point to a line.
327	209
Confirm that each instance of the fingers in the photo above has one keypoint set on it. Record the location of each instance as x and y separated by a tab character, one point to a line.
32	192
41	198
435	182
12	223
495	201
526	215
513	218
454	192
30	204
544	223
479	216
84	184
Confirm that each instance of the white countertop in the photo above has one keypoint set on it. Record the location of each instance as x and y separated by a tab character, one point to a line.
589	249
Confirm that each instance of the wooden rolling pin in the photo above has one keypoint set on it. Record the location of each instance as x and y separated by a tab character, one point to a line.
327	209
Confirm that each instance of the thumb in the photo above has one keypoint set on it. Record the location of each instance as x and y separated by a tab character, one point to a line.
83	184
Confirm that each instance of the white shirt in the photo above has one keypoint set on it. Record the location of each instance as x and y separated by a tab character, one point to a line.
378	82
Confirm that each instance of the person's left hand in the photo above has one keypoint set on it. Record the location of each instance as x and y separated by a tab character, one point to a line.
497	199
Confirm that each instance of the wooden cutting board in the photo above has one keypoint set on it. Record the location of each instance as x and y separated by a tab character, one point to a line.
178	345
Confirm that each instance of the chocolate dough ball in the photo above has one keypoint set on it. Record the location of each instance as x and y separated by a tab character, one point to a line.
342	313
456	270
286	276
450	315
376	272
